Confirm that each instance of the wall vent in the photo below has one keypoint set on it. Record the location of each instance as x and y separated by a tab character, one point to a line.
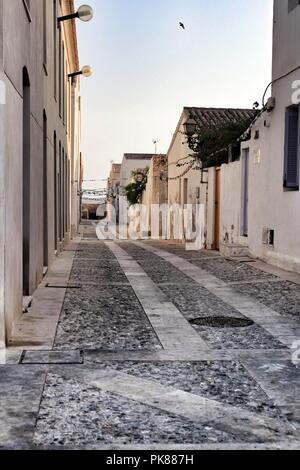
268	237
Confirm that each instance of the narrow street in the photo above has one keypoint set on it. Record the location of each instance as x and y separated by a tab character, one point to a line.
147	345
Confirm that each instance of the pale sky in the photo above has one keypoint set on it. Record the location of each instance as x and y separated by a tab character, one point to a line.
146	69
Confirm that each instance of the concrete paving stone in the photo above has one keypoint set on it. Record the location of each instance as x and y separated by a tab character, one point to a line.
247	425
159	270
180	250
195	301
106	318
109	263
228	382
193	298
93	414
231	271
283	297
98	275
130	392
173	331
280	379
20	395
251	337
94	250
75	414
244	304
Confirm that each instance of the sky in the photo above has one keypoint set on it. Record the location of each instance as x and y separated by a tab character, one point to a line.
146	69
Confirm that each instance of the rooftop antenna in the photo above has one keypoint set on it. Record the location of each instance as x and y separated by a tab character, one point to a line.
155	142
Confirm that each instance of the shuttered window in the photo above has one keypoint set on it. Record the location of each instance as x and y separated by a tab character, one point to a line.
292	4
291	151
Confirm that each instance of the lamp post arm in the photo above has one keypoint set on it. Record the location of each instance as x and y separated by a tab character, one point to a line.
75	74
68	17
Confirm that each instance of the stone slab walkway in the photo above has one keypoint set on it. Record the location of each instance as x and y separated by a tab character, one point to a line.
110	355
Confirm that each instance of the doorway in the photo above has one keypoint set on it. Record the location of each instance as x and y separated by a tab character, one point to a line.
45	188
217	209
26	183
245	193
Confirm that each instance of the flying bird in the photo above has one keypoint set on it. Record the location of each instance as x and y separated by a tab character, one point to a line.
182	25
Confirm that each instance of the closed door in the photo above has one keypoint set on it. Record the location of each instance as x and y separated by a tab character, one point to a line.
217	209
185	191
245	192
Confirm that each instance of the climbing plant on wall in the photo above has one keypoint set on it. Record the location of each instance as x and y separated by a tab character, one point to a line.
211	145
135	189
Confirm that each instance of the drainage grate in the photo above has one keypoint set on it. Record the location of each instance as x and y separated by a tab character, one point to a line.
222	322
40	357
64	286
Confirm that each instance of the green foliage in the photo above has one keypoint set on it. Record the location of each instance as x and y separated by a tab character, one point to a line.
134	190
210	145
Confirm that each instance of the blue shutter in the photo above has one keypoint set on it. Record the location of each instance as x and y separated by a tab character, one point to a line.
291	151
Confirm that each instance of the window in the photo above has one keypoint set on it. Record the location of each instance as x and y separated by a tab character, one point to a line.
293	4
291	149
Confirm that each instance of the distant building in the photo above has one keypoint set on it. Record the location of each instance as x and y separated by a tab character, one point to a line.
132	162
188	183
113	187
156	192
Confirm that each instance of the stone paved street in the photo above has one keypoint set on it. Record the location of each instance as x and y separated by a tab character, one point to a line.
147	345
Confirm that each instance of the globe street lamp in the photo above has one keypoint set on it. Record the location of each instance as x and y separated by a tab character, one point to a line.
86	71
84	13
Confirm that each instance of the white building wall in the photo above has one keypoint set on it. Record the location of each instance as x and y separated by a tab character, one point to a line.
198	192
128	166
270	204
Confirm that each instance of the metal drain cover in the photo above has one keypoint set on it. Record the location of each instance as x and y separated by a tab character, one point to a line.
222	322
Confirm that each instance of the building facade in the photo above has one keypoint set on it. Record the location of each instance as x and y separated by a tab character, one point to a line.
266	181
191	184
156	192
40	141
113	187
130	163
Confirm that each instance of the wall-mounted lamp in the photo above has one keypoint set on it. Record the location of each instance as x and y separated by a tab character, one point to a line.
84	13
86	71
190	127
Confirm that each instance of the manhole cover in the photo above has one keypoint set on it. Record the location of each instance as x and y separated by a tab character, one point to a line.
222	322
